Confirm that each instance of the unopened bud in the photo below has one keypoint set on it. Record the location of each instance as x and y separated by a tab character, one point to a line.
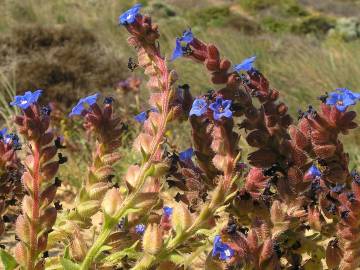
181	218
152	239
112	202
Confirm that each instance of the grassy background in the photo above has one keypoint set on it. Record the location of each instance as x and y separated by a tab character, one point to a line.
304	47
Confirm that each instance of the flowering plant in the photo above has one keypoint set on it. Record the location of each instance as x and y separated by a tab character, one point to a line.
291	203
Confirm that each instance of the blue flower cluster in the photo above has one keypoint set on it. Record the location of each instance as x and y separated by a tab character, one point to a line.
222	250
221	108
80	106
129	16
10	138
140	228
182	44
342	98
26	100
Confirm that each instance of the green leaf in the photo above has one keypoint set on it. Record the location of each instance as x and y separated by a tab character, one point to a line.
129	252
101	250
67	252
69	265
7	260
178	259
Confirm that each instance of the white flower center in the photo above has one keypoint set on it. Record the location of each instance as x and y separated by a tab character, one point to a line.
23	102
128	17
227	252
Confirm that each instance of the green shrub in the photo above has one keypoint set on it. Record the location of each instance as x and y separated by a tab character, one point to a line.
212	16
257	4
317	25
275	25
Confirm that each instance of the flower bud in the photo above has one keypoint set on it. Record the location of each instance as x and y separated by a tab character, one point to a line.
97	190
21	253
88	208
112	202
152	239
181	218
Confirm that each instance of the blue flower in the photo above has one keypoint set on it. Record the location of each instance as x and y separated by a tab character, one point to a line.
129	16
186	155
245	65
13	139
182	44
342	99
199	107
168	211
141	117
3	133
140	228
221	108
27	99
222	250
314	171
350	93
79	107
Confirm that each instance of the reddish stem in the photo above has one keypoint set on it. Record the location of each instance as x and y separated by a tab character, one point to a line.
35	207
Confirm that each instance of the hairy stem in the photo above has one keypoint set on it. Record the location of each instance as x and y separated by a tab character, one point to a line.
35	207
127	204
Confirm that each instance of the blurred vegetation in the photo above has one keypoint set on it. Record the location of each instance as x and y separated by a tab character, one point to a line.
71	48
